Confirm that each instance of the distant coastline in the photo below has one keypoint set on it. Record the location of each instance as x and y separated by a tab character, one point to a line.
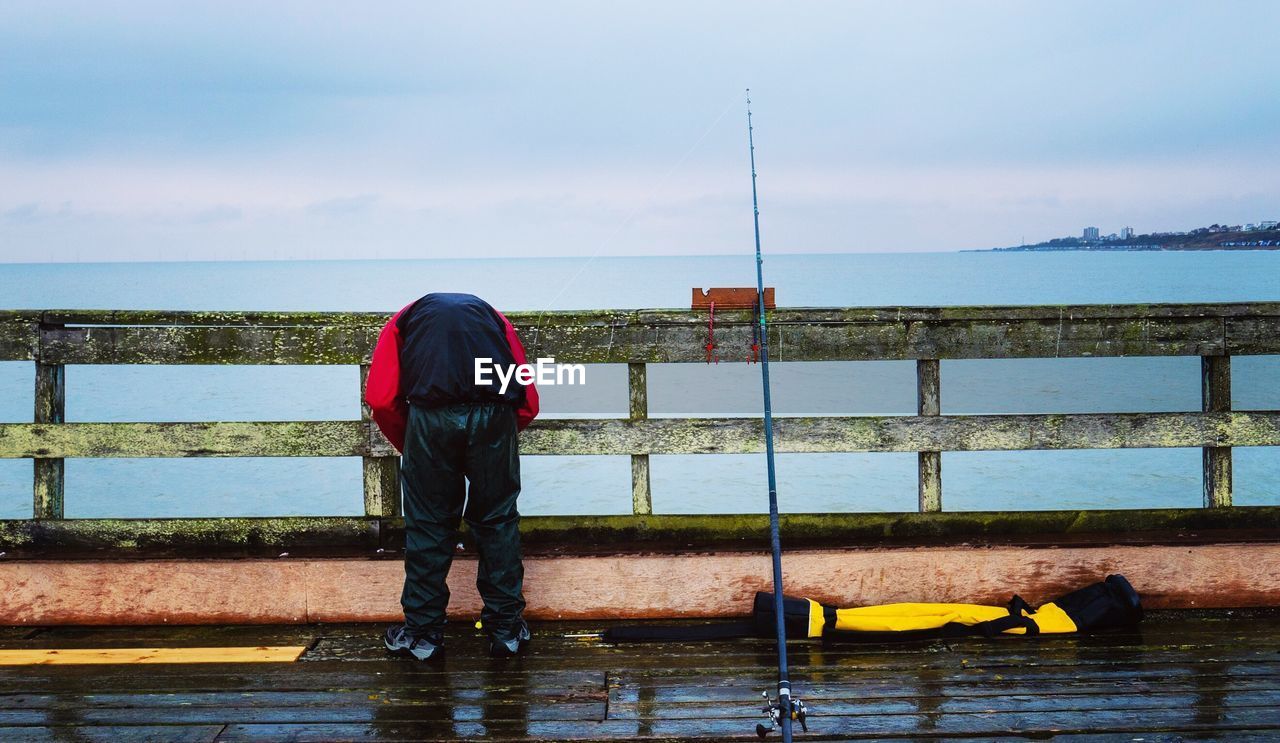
1215	237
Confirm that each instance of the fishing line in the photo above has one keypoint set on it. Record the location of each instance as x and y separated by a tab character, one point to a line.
635	211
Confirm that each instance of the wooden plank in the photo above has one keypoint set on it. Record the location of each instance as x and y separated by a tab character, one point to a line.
1197	649
638	400
113	733
218	318
51	394
50	407
162	635
1140	310
641	494
387	678
18	341
424	693
904	433
1238	735
639	336
624	697
664	435
743	714
279	684
230	439
928	387
887	333
1253	335
963	668
640	585
985	726
338	536
853	702
1064	337
560	317
970	666
627	534
114	656
231	713
929	467
227	537
470	674
21	316
1215	377
381	486
929	403
381	474
625	692
1067	336
209	345
629	698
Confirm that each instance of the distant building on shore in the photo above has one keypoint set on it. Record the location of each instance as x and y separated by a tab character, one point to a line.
1200	238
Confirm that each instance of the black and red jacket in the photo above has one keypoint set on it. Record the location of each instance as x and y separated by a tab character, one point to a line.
426	355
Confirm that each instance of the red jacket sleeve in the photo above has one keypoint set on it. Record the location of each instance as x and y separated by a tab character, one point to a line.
390	410
529	410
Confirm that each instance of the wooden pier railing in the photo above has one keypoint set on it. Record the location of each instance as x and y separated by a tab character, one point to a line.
1213	332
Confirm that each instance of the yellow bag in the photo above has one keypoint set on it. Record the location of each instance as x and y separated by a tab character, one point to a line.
1111	603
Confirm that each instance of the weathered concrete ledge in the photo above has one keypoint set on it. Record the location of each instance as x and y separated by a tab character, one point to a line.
630	586
356	536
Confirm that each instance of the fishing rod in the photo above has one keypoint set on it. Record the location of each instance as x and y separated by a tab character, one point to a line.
784	709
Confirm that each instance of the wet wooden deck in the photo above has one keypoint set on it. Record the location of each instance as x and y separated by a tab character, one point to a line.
1183	676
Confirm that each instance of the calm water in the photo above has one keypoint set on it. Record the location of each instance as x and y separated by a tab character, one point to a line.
843	482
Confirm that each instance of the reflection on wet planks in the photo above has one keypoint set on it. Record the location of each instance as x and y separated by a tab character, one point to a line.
1188	675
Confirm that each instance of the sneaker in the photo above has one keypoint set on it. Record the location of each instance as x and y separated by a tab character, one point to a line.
399	642
512	647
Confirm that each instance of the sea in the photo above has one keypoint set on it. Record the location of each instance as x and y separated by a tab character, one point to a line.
1114	479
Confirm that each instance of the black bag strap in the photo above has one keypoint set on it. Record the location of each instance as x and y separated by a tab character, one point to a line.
1017	605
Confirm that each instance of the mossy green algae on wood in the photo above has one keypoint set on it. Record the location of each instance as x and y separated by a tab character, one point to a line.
658	336
609	436
373	537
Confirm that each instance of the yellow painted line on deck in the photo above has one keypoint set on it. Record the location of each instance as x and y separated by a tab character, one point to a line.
89	656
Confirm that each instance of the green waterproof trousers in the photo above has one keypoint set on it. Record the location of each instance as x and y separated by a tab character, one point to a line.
445	448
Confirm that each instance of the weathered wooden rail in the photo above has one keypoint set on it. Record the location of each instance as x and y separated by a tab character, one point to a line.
1215	333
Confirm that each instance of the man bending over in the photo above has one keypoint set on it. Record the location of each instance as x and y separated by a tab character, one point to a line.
452	431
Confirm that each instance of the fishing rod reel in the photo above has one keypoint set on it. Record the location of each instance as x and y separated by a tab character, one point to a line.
773	710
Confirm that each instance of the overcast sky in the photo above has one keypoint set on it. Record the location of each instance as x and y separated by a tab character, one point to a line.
137	131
